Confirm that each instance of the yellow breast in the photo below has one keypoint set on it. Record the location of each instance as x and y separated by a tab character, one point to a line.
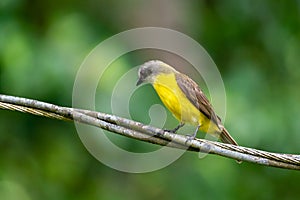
175	100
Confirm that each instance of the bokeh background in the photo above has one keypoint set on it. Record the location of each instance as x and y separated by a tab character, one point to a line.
255	44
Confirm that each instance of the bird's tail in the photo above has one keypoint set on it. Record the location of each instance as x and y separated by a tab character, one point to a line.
226	138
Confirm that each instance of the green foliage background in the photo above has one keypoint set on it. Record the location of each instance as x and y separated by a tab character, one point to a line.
255	44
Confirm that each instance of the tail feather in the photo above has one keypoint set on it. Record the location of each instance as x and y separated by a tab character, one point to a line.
226	138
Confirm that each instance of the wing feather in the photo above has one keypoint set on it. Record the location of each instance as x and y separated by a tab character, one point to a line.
193	92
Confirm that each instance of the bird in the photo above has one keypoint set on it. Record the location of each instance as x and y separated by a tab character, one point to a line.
184	98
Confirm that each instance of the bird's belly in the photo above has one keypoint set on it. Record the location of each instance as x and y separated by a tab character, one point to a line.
179	105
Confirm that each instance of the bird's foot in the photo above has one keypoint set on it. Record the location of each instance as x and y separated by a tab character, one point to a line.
170	130
190	138
175	129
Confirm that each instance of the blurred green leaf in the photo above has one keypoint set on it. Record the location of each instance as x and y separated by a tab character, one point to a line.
255	44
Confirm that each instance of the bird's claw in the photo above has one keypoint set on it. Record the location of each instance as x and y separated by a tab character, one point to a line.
170	131
189	138
175	129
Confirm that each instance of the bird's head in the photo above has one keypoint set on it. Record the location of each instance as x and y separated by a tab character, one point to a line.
149	70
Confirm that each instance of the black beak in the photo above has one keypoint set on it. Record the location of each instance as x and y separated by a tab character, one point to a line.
139	82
